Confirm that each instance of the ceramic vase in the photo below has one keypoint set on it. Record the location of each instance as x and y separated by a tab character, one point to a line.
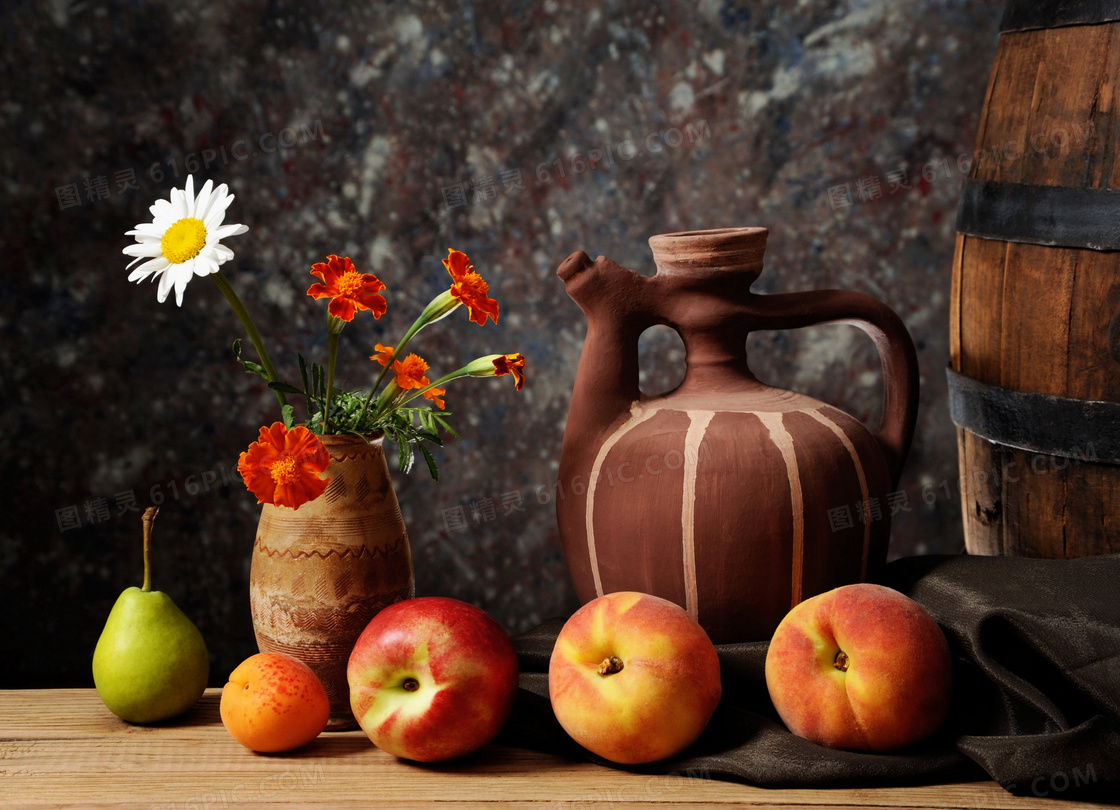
321	572
733	498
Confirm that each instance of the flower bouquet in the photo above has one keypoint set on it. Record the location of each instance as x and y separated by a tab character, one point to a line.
284	465
326	559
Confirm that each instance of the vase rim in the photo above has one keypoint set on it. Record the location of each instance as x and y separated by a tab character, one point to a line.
349	438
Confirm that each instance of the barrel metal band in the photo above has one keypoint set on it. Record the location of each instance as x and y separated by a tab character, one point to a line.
1059	216
1087	430
1027	15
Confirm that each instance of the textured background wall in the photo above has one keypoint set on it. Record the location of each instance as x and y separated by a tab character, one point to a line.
388	134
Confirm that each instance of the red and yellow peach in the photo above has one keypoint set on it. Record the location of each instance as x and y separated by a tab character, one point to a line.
633	678
861	667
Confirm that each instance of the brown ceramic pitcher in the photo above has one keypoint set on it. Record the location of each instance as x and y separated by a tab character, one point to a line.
732	498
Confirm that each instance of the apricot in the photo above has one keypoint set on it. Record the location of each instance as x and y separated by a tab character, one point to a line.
274	702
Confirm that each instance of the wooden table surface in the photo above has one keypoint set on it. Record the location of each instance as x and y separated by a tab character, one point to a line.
62	747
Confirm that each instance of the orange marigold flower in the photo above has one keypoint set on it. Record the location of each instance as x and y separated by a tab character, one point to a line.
348	289
384	353
457	263
410	372
436	396
282	467
469	289
511	364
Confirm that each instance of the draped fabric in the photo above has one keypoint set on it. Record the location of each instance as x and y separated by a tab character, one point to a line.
1036	704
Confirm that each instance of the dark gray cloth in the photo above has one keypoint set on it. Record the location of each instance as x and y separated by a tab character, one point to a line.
1036	706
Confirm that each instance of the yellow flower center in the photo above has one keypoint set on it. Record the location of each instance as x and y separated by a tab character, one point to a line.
184	240
285	471
350	283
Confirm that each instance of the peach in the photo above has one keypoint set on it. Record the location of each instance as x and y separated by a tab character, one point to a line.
861	667
274	702
633	678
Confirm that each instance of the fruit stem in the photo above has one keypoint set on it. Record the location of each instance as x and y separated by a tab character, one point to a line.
410	684
841	662
148	518
610	666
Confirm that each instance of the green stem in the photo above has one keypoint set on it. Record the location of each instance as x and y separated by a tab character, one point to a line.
148	517
254	335
391	390
332	356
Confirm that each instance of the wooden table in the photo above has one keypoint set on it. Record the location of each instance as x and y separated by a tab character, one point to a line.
62	747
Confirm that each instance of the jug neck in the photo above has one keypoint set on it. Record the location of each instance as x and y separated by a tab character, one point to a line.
716	360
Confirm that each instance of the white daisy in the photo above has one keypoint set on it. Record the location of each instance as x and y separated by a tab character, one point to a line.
184	238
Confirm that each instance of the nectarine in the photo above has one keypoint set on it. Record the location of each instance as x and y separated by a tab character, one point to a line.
432	678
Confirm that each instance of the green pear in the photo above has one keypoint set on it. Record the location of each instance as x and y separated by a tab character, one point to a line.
150	663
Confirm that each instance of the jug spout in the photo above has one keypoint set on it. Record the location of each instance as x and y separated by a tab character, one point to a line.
615	301
572	265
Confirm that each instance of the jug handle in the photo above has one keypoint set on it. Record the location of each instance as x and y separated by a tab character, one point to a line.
885	328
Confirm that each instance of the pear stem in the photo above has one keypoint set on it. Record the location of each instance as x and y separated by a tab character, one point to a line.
148	518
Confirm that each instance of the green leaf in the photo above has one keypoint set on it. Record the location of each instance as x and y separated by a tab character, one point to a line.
318	380
302	370
405	456
289	414
448	428
248	365
432	468
283	387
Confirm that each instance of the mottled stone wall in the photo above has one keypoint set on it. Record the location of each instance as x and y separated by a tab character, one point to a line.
516	132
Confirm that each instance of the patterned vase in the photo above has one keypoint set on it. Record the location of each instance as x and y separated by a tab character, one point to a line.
321	572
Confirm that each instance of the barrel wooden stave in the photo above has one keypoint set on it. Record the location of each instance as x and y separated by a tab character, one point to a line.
1040	319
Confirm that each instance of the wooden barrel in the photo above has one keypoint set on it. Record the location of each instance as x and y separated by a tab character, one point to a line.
1034	383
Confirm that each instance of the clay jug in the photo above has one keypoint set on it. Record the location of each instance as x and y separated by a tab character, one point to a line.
730	497
321	572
